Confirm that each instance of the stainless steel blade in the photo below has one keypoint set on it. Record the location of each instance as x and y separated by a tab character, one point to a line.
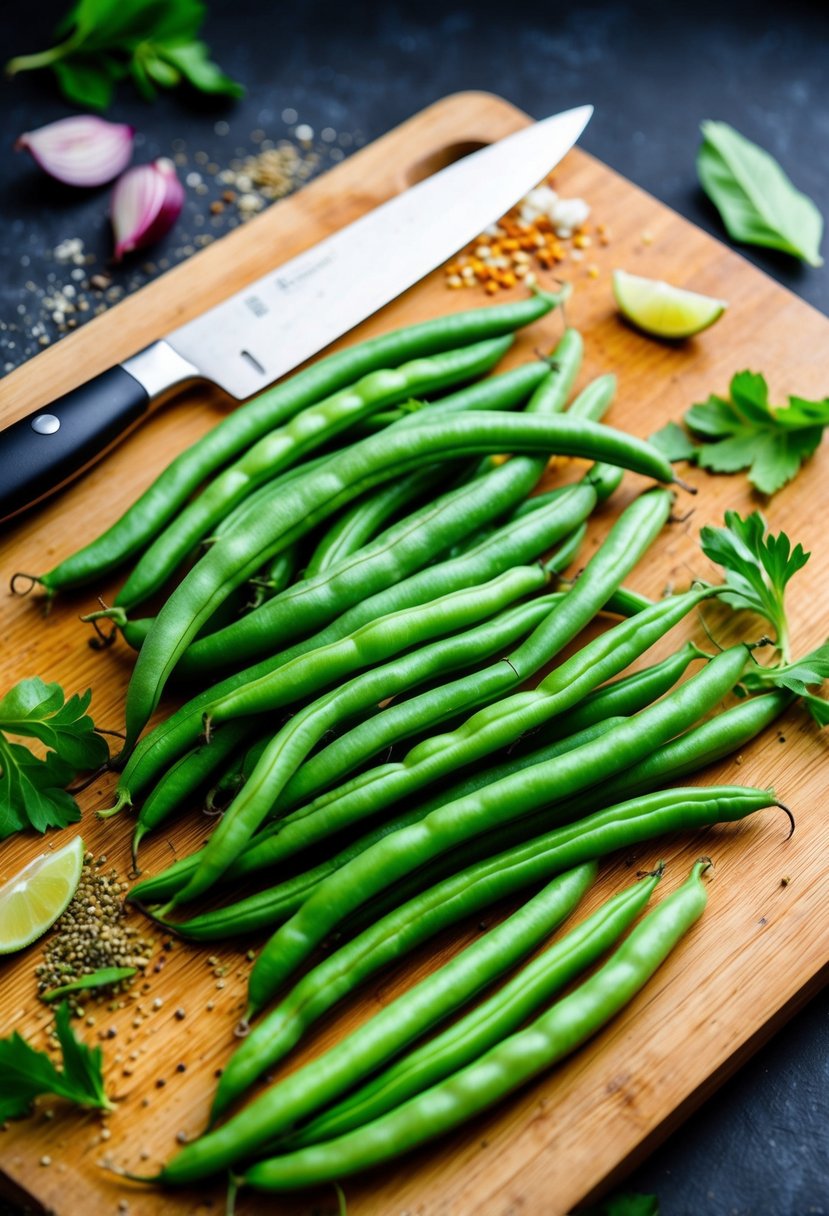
270	327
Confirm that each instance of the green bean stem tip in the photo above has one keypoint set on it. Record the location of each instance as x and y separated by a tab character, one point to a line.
123	799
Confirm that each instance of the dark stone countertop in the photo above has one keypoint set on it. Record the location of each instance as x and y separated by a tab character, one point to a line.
759	1147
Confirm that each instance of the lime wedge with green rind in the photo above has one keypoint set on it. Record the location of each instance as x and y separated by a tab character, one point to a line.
662	310
32	901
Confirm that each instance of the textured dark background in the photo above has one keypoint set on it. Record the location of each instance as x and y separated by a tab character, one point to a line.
653	71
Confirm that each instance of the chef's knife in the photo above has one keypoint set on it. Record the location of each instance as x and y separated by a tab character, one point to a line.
260	333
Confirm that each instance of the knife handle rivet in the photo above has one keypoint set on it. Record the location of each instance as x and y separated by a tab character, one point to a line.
46	424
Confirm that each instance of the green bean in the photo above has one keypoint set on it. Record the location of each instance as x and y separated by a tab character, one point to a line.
595	399
683	756
489	1023
373	644
506	1066
291	442
246	424
511	798
183	780
362	521
550	397
308	500
272	907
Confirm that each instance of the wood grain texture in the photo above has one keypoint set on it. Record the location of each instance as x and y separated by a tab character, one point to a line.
760	948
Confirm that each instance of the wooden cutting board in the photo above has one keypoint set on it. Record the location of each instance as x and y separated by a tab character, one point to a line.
759	950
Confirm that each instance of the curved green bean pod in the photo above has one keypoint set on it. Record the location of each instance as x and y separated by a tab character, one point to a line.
308	500
373	644
159	503
388	861
489	1023
505	1067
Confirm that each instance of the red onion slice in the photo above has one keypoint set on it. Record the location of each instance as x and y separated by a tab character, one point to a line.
146	202
81	151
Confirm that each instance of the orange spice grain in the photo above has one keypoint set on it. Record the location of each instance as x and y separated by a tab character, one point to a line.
491	287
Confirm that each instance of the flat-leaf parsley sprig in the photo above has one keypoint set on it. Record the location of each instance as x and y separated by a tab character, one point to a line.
26	1072
745	432
33	788
758	567
797	676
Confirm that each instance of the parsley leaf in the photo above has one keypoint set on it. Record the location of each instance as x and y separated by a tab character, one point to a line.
745	432
32	788
797	676
26	1072
154	41
758	567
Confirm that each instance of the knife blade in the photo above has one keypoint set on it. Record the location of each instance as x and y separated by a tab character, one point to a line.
271	326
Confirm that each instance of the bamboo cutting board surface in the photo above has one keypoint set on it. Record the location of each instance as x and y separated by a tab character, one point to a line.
759	950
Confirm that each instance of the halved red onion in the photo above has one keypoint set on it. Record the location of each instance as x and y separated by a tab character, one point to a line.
145	204
82	150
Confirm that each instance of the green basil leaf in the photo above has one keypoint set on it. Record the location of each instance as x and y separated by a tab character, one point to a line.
757	201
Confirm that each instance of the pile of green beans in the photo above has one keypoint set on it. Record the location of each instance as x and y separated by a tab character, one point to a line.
615	827
378	570
453	824
307	431
187	775
372	644
159	503
324	581
506	1066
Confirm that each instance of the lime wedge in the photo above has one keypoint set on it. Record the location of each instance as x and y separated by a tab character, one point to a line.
32	901
660	309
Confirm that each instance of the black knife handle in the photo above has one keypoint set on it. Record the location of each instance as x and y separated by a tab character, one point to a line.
41	452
